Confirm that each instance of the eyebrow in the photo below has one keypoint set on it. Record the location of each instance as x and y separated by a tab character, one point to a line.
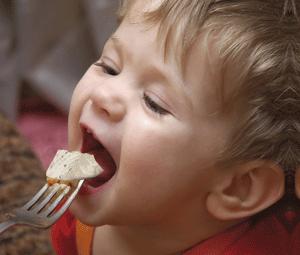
116	40
153	69
118	44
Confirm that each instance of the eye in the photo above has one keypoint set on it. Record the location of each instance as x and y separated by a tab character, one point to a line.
106	68
153	106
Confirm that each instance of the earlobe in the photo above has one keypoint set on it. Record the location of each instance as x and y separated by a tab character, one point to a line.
246	190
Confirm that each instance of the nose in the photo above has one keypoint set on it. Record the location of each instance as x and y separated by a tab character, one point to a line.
109	100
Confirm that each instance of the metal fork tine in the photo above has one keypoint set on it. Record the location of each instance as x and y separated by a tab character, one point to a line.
65	206
36	197
33	217
55	203
46	199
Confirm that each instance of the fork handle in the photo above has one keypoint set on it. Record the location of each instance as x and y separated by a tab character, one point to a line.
6	224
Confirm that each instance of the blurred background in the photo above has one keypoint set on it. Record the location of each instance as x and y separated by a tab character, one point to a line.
45	48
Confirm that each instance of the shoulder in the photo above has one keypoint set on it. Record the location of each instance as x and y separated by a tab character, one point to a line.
255	238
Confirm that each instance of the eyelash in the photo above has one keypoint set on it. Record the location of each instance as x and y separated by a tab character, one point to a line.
107	69
153	106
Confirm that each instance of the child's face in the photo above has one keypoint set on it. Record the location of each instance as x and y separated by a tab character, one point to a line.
159	126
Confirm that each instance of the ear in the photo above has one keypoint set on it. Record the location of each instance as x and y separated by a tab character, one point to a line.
245	190
297	182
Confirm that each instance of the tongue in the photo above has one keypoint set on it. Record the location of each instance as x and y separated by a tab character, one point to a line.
103	158
106	162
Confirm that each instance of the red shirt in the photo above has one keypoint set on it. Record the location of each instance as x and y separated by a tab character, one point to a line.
266	236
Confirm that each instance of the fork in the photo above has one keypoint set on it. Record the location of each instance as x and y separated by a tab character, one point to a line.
32	212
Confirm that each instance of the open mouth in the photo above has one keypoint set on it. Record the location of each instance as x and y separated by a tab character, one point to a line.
94	147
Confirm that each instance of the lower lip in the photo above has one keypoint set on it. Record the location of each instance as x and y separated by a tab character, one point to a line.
87	189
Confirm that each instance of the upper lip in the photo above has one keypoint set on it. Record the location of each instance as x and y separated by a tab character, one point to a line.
86	128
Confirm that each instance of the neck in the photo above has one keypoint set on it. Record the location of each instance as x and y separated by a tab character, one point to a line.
129	241
168	238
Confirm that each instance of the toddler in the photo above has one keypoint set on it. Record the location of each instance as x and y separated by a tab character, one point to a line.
186	113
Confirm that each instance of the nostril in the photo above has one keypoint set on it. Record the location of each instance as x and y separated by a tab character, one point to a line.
109	101
99	110
117	111
100	97
113	109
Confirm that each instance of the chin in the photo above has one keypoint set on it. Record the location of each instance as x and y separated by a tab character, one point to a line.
85	215
81	215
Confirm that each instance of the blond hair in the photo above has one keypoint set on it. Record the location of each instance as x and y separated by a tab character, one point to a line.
261	39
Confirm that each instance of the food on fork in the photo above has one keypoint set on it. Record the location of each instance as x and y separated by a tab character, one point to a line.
65	177
69	167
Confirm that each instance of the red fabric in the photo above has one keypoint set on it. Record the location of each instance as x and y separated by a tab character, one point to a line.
295	240
268	236
63	234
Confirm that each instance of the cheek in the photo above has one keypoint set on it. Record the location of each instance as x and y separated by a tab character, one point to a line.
151	145
158	178
154	147
160	163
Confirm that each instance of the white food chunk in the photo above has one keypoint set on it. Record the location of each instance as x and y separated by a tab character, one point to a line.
68	166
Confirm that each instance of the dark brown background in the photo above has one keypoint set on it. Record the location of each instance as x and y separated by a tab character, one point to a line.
21	175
